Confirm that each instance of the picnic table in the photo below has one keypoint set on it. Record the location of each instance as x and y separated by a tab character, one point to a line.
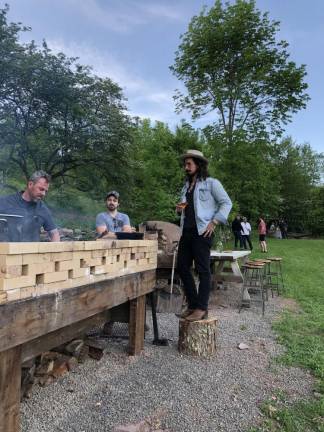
225	267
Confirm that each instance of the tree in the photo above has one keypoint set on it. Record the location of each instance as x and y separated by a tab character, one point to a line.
231	63
157	172
55	115
299	173
316	211
248	173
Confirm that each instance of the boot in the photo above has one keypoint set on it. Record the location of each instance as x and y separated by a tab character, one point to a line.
197	315
186	313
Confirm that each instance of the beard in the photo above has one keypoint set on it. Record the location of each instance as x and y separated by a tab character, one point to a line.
190	175
111	207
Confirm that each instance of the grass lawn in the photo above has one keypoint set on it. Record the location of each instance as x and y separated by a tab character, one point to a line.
302	332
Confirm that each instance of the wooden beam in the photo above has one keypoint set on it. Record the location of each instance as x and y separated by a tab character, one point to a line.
58	337
51	340
10	381
29	319
136	325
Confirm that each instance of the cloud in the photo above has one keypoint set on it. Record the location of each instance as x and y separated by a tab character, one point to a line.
146	99
113	18
162	11
123	17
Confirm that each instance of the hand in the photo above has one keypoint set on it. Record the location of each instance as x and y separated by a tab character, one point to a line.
180	207
210	229
107	235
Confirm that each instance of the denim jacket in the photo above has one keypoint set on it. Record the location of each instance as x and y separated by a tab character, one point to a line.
210	202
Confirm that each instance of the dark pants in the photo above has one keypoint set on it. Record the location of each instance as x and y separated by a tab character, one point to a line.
284	234
193	247
246	239
238	238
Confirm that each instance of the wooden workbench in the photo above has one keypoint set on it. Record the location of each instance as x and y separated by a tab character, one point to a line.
31	326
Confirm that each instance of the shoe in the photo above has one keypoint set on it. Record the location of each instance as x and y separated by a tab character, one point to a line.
186	313
197	315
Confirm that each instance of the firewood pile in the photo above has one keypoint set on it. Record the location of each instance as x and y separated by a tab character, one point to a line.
51	365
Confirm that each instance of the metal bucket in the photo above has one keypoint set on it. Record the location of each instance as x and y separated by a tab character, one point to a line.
167	302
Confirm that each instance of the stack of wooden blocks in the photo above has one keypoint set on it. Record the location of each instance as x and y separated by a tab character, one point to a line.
34	269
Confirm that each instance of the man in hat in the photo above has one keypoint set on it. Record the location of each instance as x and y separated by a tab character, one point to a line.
112	220
204	204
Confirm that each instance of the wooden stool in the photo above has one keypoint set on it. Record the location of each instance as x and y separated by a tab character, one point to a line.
267	279
253	278
197	338
275	271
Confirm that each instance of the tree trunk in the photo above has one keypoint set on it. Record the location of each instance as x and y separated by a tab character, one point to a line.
197	338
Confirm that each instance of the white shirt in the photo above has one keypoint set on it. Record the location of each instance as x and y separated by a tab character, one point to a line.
246	228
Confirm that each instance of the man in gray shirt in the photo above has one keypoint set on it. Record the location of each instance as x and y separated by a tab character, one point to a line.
112	220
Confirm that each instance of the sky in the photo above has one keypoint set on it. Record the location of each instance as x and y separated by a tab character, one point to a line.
133	42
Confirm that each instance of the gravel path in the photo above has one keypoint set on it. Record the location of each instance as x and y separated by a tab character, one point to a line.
181	394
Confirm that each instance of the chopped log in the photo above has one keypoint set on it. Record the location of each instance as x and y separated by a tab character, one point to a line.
197	338
74	347
95	353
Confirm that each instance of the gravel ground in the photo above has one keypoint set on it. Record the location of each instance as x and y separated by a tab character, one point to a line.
180	393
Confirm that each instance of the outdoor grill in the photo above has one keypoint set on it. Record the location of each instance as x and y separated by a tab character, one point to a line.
11	228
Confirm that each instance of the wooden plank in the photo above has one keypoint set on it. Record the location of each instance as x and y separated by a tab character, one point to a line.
31	318
51	340
228	256
10	377
136	325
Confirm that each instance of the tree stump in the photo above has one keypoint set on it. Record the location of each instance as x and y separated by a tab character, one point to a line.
197	338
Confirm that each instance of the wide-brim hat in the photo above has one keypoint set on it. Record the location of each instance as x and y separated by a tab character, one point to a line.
194	154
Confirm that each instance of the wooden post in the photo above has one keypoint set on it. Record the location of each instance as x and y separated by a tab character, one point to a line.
197	338
136	325
10	381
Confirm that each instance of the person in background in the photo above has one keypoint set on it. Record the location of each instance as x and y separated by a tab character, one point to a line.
245	232
204	204
236	229
108	223
283	228
262	230
33	213
112	220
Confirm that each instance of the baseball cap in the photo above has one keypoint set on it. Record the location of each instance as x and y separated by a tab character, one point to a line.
114	193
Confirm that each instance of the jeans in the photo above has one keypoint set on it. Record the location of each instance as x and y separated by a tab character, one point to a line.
195	247
238	238
246	238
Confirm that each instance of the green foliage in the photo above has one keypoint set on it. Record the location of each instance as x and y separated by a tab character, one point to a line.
302	333
316	211
299	173
158	174
247	170
231	62
55	115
